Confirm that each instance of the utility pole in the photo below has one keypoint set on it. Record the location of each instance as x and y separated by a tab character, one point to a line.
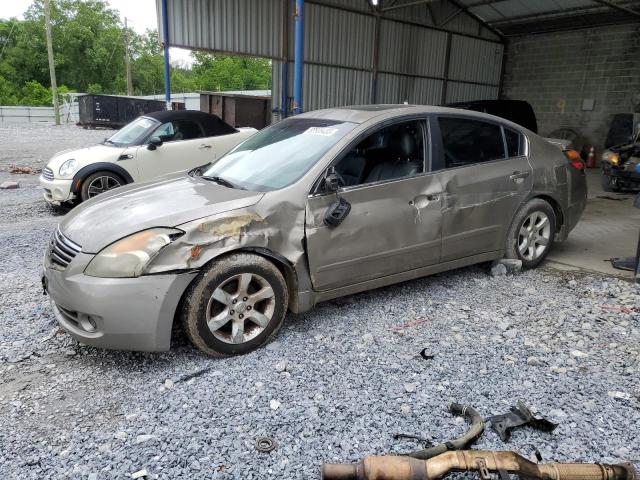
127	60
52	67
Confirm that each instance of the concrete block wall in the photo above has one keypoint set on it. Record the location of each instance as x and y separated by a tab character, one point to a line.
555	72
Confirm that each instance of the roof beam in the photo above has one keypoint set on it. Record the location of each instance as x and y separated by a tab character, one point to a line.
615	6
403	5
481	3
450	17
477	18
565	12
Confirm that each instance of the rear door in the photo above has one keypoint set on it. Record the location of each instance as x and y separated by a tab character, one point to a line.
486	175
395	220
183	147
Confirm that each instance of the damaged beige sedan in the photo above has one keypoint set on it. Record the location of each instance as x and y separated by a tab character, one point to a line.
321	205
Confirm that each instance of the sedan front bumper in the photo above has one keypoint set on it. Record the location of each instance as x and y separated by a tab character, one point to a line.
115	313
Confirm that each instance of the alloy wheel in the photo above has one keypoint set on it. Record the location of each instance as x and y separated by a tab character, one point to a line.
240	308
534	236
101	184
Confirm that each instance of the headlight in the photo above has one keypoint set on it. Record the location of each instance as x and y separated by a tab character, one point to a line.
68	167
614	159
129	256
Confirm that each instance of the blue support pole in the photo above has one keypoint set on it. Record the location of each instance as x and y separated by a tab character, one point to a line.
298	58
285	88
167	65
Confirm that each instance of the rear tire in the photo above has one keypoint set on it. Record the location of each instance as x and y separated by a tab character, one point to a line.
99	182
532	233
235	306
609	184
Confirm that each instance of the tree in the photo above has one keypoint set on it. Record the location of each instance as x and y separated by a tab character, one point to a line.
89	57
225	72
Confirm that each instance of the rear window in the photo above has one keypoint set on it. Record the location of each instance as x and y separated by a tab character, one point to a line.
466	141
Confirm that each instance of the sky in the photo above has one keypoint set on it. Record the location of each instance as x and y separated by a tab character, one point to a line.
141	15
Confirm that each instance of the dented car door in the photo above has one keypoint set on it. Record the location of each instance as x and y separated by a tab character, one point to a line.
391	228
394	222
486	176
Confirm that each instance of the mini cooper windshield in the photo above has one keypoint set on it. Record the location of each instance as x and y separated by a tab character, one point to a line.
133	132
278	155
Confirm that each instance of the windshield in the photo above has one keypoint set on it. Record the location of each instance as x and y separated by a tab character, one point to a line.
279	155
132	132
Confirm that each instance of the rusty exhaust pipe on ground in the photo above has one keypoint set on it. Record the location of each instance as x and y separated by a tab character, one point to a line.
482	461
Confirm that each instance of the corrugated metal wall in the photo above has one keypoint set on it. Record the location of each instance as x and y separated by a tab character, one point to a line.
417	62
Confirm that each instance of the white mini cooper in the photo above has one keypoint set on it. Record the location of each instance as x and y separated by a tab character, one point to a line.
150	146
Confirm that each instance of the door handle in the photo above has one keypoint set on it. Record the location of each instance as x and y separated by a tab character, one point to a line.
518	175
203	146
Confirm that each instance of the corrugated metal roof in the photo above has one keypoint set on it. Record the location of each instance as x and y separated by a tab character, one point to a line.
340	41
513	17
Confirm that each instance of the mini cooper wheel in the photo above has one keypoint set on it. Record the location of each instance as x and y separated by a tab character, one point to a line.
99	182
532	233
236	305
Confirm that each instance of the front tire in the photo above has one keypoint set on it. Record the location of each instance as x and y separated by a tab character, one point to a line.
532	233
235	306
99	182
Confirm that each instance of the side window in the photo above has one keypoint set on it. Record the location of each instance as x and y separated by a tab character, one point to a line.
393	152
164	132
466	141
514	143
187	130
178	130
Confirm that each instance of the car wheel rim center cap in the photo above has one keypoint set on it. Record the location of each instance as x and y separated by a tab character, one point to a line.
240	307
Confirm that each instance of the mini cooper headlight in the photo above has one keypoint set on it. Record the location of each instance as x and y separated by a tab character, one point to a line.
68	167
128	257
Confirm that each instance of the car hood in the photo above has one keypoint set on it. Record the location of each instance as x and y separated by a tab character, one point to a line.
167	202
84	156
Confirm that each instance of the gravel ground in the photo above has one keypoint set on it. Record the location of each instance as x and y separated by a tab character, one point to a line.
335	385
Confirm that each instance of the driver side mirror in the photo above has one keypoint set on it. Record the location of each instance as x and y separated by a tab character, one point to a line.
333	181
154	143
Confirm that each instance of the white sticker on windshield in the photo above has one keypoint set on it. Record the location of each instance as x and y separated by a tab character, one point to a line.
322	131
144	123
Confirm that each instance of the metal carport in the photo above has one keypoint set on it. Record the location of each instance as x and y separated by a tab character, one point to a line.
384	51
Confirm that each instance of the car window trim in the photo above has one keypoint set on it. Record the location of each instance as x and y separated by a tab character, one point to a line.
522	142
426	161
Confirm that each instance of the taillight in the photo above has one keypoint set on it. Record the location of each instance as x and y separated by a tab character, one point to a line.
574	159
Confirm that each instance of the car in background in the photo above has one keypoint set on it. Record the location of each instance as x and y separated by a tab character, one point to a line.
318	206
516	111
623	129
150	146
621	166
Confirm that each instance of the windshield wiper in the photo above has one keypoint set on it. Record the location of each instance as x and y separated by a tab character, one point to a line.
222	181
106	140
198	170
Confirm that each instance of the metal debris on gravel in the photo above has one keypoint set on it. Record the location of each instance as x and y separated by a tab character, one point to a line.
75	416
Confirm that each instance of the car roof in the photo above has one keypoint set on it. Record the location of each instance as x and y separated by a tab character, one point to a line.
364	113
212	124
168	115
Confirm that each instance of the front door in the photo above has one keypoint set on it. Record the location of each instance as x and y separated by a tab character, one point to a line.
394	224
486	176
183	147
